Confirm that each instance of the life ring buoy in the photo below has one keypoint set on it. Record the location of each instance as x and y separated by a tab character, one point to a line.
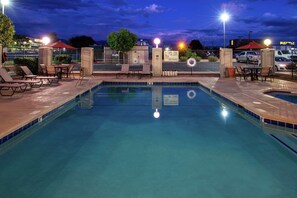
191	62
191	94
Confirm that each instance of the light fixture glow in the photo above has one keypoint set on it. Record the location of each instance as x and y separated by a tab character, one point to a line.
45	40
157	41
156	114
225	16
181	45
267	42
4	3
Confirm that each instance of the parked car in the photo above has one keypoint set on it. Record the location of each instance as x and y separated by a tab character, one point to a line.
291	55
248	56
280	64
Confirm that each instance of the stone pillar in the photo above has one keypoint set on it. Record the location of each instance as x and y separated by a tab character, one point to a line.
45	55
267	58
157	62
226	61
1	55
87	60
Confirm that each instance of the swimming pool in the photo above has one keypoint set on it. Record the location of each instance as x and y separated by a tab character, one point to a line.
287	96
111	145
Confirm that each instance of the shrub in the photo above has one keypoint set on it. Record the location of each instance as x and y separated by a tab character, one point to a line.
31	63
212	59
62	59
198	58
183	58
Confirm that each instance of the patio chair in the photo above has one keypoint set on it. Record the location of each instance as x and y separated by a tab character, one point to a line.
68	71
146	70
12	88
124	70
43	69
50	71
8	79
266	72
30	75
241	72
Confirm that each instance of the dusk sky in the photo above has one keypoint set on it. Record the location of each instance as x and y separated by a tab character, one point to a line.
171	20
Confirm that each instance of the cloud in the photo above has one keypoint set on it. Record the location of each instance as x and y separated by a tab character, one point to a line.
233	7
269	15
153	8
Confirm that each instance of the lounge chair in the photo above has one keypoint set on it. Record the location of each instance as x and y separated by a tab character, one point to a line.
8	79
124	70
30	75
146	70
12	88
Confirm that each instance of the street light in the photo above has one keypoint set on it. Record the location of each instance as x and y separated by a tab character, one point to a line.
4	3
181	45
224	17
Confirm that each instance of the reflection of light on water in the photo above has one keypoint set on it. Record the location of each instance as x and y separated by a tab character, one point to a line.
156	114
224	113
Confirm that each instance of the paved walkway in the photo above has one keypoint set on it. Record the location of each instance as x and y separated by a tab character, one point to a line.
22	108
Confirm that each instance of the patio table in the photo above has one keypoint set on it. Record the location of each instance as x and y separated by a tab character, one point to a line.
59	70
253	71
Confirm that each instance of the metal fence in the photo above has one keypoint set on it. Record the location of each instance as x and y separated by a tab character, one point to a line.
101	64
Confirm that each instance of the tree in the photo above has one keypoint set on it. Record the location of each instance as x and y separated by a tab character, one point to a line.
195	45
53	37
122	41
21	41
81	41
6	31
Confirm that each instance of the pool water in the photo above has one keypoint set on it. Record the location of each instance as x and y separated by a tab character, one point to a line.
111	145
284	96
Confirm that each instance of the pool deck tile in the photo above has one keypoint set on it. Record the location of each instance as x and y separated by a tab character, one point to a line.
22	108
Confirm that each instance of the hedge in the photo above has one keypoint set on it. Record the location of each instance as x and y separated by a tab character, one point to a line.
31	63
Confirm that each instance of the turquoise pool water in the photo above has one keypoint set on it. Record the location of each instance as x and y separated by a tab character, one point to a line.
110	145
284	96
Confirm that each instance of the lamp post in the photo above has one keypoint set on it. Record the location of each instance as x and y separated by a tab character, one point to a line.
45	40
267	42
224	17
157	41
4	3
292	63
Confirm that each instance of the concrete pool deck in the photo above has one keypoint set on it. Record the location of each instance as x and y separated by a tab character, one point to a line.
22	108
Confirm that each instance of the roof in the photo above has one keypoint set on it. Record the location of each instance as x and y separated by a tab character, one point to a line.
60	44
251	45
